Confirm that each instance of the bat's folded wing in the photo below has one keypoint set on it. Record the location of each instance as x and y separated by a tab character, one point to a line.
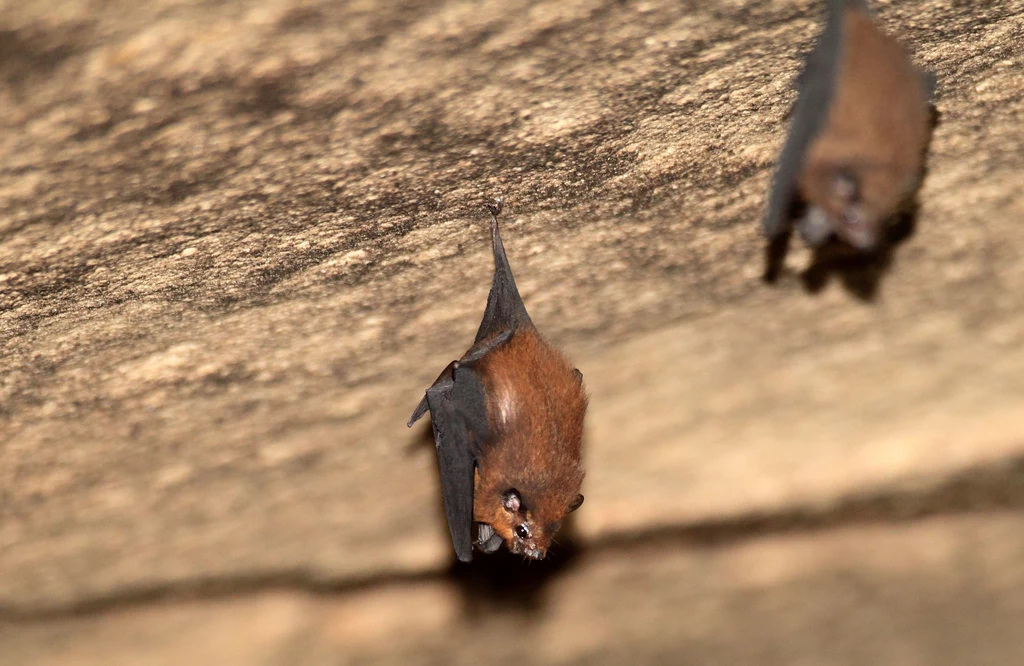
458	414
816	82
505	310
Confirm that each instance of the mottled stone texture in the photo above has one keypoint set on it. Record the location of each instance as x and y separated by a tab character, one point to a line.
238	239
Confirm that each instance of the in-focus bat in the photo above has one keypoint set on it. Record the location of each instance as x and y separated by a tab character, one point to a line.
858	136
508	426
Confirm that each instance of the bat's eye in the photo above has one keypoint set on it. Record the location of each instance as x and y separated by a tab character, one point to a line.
522	532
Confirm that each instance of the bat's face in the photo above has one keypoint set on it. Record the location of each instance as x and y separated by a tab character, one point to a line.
847	203
526	532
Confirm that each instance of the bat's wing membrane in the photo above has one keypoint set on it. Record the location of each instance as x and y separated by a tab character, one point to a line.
817	87
458	413
505	310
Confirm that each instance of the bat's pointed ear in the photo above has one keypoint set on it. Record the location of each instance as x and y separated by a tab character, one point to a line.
511	500
579	375
576	503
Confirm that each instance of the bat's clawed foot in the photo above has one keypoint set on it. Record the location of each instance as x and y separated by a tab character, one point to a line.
495	207
487	539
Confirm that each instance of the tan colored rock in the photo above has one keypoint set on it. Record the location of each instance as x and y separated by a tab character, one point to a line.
237	241
943	592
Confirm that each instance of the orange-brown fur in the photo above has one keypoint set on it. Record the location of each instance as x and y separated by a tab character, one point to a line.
536	405
878	124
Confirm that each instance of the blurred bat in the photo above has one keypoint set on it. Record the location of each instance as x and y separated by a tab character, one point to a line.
858	136
508	426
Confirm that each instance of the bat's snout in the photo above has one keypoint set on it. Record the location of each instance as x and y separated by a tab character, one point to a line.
859	229
863	238
534	553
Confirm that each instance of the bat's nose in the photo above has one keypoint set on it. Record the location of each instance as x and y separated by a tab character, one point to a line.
862	239
535	553
858	228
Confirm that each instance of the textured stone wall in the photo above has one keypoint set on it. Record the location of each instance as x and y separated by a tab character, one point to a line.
238	240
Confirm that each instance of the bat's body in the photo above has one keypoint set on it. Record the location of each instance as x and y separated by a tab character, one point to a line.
856	145
508	425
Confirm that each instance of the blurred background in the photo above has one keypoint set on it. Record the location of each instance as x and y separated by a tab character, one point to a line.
239	239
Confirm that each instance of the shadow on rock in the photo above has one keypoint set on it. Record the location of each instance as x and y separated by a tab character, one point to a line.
507	583
860	273
503	582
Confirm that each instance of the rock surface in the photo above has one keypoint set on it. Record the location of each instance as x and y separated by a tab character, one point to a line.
237	241
941	592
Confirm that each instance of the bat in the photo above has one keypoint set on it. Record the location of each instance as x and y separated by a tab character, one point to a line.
854	154
508	428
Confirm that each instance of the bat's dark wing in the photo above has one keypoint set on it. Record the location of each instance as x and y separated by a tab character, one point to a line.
458	413
505	310
817	84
